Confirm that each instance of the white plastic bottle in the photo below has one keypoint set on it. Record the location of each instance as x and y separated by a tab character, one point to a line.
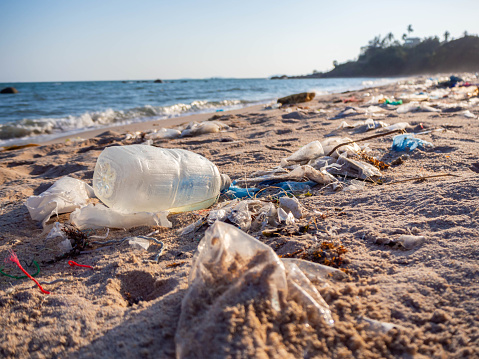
140	178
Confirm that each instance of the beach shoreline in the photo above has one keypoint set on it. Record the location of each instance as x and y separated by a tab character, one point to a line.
418	300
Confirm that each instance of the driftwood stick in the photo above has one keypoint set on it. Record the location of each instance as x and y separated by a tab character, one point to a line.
423	177
363	139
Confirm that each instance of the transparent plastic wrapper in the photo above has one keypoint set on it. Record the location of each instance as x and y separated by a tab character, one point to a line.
352	168
140	178
297	174
163	133
99	216
308	152
409	142
64	196
230	269
332	142
369	125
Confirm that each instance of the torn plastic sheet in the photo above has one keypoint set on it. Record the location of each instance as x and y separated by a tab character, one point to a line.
352	168
64	196
231	268
238	192
409	142
99	216
306	153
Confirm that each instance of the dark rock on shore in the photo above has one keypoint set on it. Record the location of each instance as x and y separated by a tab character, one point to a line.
9	90
297	98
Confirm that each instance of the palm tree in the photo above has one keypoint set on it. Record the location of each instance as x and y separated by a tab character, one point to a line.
390	38
446	36
409	29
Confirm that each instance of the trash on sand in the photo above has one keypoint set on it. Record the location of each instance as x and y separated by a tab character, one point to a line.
294	186
56	231
232	268
63	196
65	245
468	114
353	168
297	98
409	142
297	174
306	153
416	107
284	217
100	216
13	258
355	185
335	146
397	126
291	205
195	128
139	178
377	326
163	133
238	192
139	243
75	264
410	242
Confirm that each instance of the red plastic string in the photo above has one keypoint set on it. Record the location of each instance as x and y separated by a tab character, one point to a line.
13	258
72	263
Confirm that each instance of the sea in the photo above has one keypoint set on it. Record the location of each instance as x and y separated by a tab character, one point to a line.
42	111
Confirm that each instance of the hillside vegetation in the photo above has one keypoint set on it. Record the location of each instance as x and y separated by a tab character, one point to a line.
390	58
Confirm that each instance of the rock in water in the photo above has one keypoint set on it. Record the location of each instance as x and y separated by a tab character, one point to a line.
9	90
297	98
158	81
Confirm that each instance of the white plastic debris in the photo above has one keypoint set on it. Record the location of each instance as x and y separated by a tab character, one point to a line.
356	169
330	143
396	126
163	133
306	153
410	241
56	231
195	128
65	245
100	216
291	205
64	196
468	114
139	243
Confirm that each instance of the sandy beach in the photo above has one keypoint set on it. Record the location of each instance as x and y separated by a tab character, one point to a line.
395	301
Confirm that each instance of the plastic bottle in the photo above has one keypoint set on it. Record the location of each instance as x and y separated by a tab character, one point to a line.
140	178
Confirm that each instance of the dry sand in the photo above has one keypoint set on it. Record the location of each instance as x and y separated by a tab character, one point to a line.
128	308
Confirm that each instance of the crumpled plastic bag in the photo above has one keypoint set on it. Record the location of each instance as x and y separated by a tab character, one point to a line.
163	133
195	128
230	270
64	196
306	153
356	169
99	216
332	142
409	142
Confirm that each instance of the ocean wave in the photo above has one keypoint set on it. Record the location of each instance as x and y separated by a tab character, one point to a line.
109	117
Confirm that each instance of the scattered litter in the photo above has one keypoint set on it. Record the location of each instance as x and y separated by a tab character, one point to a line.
377	326
64	196
33	263
416	107
13	258
56	231
410	242
163	133
468	114
409	142
397	126
356	169
195	128
355	185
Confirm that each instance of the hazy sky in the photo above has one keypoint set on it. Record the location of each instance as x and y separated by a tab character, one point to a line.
59	40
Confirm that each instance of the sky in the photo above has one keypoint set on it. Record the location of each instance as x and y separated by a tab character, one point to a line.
58	40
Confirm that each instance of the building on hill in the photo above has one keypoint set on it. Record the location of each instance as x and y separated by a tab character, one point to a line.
412	41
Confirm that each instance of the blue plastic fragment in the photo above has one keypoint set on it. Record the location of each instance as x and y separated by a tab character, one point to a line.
238	192
408	142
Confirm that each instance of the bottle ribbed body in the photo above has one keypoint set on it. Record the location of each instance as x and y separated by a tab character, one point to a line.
139	178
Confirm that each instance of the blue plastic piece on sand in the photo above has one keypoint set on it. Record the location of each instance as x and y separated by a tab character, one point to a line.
408	142
238	192
292	186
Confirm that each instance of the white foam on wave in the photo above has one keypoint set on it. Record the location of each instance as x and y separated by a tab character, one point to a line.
43	129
